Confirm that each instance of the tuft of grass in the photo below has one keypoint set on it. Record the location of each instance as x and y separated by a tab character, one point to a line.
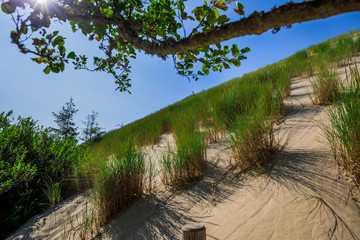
189	161
252	139
149	176
119	181
343	133
52	190
326	87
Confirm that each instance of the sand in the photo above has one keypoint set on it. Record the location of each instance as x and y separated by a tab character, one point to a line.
303	196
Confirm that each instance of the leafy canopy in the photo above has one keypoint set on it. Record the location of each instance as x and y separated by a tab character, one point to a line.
103	21
163	28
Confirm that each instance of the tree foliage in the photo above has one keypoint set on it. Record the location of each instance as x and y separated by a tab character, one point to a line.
64	119
163	28
29	157
92	129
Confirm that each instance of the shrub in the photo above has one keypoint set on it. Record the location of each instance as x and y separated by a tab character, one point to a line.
30	157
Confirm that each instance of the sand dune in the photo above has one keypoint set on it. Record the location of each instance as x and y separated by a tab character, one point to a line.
303	196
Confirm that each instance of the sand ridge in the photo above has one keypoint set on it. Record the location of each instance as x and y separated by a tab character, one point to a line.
301	197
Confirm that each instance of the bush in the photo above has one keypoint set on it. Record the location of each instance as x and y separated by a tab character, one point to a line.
30	158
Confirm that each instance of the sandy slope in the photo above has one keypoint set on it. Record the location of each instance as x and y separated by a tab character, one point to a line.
302	197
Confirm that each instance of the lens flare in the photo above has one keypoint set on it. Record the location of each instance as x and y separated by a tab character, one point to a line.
41	2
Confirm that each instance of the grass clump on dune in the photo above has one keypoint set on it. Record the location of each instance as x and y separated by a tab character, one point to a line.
326	87
252	138
189	160
119	181
343	133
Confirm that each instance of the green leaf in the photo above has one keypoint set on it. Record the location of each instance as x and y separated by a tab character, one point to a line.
204	67
47	70
216	13
226	66
237	63
55	68
109	13
7	8
223	19
25	30
189	66
211	20
62	50
179	66
71	55
239	6
235	50
245	50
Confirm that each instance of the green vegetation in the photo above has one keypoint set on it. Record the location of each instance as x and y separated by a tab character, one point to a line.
326	86
194	35
34	163
188	162
119	181
37	165
343	132
226	107
252	139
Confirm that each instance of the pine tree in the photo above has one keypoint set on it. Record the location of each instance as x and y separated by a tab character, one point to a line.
92	129
64	120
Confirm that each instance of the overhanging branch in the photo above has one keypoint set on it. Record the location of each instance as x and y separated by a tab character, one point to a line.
258	23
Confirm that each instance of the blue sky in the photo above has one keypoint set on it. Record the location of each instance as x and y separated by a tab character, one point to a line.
25	89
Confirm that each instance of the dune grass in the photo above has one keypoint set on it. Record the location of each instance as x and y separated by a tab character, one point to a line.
119	181
217	107
252	138
218	110
343	133
188	162
244	109
326	87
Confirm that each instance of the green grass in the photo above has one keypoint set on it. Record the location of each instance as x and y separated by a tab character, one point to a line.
343	133
52	191
326	87
188	162
252	138
244	108
217	107
119	181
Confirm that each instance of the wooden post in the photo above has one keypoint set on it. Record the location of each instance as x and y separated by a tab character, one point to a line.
193	231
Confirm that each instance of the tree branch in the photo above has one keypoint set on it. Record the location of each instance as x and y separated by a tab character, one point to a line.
257	23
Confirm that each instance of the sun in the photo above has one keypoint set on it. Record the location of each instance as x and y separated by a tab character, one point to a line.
42	2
